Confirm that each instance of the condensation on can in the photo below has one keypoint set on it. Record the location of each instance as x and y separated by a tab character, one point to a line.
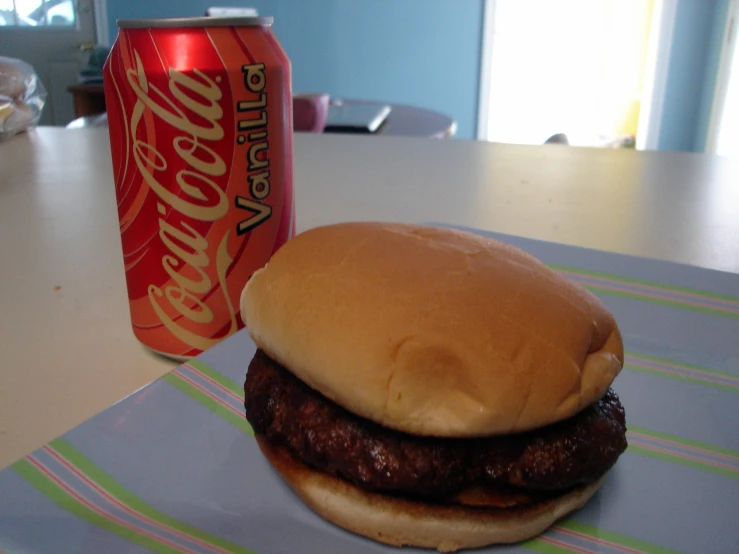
200	121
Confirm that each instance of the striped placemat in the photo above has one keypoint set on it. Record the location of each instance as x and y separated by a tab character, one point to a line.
174	467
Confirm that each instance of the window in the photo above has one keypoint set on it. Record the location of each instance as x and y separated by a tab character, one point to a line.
37	13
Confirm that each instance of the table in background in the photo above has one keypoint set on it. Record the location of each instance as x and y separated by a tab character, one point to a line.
66	346
89	99
403	121
410	121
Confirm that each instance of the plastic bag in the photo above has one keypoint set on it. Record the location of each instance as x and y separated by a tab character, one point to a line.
22	96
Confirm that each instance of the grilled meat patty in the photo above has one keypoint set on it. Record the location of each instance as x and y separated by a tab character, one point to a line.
576	451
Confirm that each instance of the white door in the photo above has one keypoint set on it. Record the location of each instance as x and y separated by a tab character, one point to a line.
723	132
54	36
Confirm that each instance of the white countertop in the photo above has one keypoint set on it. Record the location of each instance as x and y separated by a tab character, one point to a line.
66	346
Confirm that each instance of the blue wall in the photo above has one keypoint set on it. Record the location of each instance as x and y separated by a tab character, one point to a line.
424	53
716	40
692	72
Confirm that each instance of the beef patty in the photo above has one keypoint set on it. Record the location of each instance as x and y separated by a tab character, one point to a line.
576	451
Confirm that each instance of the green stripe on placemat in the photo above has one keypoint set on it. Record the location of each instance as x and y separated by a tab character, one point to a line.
545	545
634	361
118	491
681	364
217	377
685	442
614	538
661	301
236	420
684	378
644	282
645	450
51	490
659	287
539	545
695	464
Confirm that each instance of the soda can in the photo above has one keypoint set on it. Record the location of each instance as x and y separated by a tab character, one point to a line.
200	121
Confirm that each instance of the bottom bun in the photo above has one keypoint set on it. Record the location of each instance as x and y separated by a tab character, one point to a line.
402	522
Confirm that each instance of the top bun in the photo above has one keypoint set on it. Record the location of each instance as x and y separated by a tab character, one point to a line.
432	331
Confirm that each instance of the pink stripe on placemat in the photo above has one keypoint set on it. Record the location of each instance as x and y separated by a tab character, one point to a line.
561	544
209	394
664	297
666	289
214	383
598	540
71	492
113	500
685	447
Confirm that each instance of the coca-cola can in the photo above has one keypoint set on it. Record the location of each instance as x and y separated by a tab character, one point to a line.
200	119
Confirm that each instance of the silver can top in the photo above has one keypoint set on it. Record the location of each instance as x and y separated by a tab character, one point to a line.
195	22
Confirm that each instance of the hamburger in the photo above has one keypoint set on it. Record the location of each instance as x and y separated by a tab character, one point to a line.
430	387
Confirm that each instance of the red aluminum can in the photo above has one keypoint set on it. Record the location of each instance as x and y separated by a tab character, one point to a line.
200	119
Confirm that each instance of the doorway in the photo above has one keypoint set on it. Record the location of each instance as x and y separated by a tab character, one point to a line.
723	132
54	36
575	68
